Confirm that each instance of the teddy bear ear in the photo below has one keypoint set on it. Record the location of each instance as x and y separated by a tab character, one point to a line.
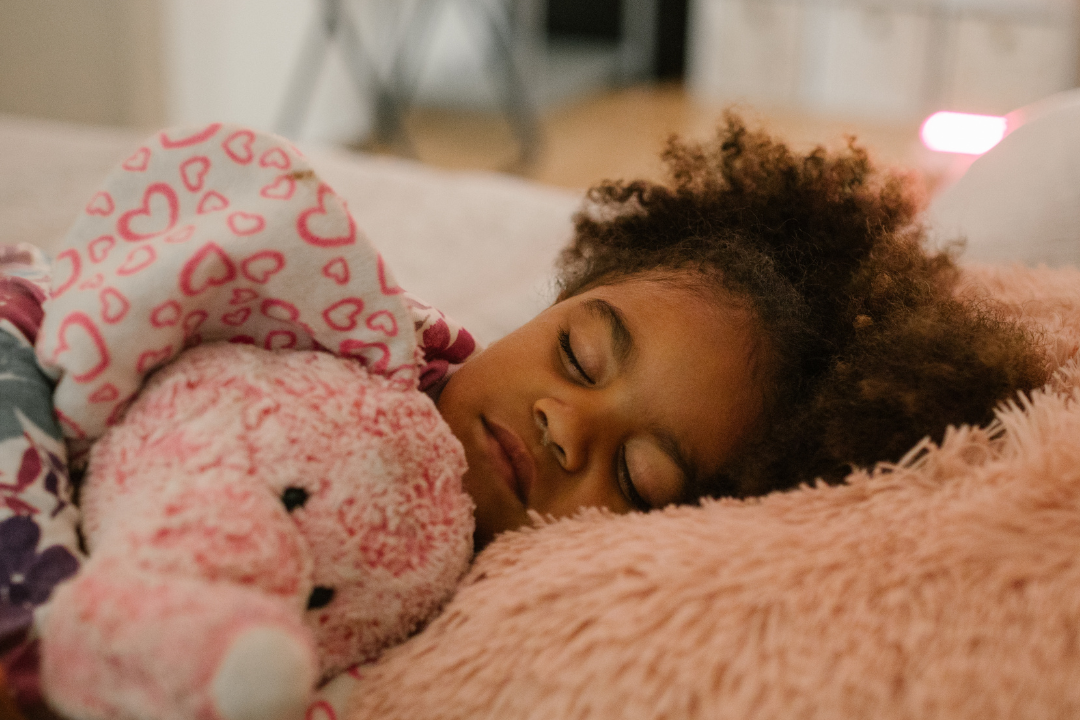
294	497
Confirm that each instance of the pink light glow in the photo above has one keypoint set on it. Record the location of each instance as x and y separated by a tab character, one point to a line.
954	132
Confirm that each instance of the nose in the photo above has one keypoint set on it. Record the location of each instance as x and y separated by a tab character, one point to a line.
564	430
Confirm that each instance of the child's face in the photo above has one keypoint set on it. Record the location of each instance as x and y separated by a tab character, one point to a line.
612	398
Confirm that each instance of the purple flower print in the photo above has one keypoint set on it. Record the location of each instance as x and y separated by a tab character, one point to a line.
437	343
20	302
440	353
35	461
27	577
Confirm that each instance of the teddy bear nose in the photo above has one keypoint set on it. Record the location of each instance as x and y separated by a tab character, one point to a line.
320	597
294	497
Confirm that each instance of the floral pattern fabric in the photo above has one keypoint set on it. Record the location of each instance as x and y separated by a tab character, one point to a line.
38	542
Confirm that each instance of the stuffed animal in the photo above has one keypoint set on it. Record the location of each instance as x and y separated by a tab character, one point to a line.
257	522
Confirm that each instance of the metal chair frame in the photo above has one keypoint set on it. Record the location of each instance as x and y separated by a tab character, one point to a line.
395	93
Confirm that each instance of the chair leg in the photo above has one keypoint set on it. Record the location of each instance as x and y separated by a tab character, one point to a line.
389	112
302	84
394	96
517	105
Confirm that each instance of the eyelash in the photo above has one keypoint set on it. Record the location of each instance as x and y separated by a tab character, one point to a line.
568	351
626	483
622	470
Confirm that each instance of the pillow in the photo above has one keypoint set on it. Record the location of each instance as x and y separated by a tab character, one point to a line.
946	586
1021	200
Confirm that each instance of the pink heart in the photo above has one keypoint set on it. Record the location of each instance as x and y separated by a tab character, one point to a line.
383	321
275	157
138	161
114	306
193	321
212	201
180	235
193	172
337	270
99	248
166	314
318	226
280	340
342	314
152	358
84	330
105	393
386	288
71	255
260	266
194	139
238	146
236	317
279	310
321	710
281	189
374	356
208	267
242	223
137	259
151	221
101	204
243	295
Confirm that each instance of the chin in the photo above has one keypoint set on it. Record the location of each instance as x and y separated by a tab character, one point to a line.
494	514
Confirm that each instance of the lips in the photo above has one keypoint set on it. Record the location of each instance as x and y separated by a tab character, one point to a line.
512	459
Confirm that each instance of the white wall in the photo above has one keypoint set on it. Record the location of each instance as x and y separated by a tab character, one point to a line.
148	63
91	62
231	60
883	59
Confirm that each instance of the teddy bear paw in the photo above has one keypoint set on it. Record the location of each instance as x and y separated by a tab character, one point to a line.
267	674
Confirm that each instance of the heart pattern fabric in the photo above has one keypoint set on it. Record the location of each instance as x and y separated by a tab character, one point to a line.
215	233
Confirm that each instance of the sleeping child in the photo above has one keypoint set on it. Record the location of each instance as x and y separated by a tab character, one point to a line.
762	320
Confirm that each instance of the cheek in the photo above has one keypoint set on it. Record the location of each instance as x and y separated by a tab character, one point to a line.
459	398
566	499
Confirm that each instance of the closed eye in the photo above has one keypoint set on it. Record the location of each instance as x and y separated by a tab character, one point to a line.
626	484
568	352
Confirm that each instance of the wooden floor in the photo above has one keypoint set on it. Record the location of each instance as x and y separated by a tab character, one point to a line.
620	133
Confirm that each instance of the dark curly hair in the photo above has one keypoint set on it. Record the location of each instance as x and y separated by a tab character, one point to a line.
869	348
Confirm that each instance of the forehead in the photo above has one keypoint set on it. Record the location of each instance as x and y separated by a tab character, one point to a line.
693	371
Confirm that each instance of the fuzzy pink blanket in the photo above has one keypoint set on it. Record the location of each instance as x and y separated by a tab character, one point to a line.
947	586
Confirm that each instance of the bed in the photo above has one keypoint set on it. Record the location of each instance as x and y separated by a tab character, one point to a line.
945	586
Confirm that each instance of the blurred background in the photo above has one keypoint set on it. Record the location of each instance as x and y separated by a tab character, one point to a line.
567	92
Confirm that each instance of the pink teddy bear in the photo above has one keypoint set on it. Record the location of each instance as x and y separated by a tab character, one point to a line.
257	522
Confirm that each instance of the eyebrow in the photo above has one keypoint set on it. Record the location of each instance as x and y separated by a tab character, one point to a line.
622	342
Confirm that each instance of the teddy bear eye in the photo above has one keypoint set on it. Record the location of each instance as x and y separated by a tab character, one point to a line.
320	597
294	497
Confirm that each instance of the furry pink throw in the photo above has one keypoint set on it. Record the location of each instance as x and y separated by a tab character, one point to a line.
945	587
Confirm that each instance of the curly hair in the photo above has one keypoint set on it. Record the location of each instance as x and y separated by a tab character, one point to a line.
870	348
